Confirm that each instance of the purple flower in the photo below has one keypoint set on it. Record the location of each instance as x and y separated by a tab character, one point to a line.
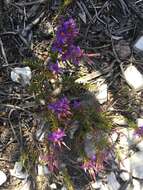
96	163
139	131
65	35
89	166
67	32
57	137
73	54
61	108
54	67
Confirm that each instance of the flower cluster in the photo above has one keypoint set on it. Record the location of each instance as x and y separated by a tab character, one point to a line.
57	137
64	42
61	108
89	166
95	164
65	35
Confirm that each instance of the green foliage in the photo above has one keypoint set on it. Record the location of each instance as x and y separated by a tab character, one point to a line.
28	159
132	124
33	63
40	86
70	87
67	180
52	120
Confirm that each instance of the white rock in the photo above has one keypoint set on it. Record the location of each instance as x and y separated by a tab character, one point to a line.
125	176
133	77
21	75
63	188
102	93
17	171
43	170
140	146
137	166
127	137
114	137
3	177
137	185
134	165
139	44
112	182
140	122
53	186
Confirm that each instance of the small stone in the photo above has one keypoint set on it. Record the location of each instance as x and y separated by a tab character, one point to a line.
125	176
139	44
96	185
102	93
53	186
21	75
140	146
3	177
42	102
134	78
17	171
43	170
133	165
63	188
140	122
136	165
114	137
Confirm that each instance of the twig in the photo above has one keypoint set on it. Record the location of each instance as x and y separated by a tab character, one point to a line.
11	141
12	128
84	9
3	53
31	3
134	9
